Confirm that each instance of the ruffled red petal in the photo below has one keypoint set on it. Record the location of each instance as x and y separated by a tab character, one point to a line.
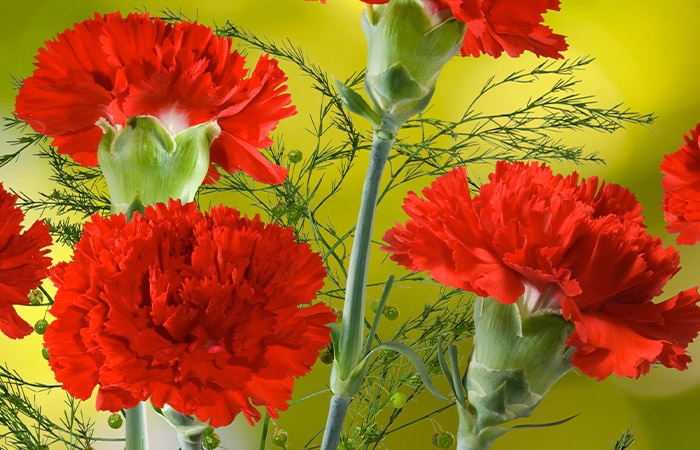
681	187
200	312
114	68
23	263
513	26
626	338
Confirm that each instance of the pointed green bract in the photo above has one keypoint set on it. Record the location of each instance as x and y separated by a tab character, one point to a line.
144	160
516	358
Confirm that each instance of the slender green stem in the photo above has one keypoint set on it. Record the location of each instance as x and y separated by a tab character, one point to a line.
263	434
346	381
334	424
350	348
136	429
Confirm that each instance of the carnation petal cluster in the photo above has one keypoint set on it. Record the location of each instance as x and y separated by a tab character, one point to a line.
197	311
111	68
23	263
681	187
580	246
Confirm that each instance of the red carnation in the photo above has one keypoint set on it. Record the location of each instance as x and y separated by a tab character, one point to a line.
23	263
113	68
495	26
681	186
556	245
513	26
197	311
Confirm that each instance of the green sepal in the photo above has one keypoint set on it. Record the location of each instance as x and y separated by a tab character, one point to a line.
136	206
190	430
408	45
515	360
143	158
356	104
397	93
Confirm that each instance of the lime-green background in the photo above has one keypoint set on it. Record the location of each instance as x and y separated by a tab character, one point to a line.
645	57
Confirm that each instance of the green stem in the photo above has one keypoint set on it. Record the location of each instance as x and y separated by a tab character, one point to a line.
136	429
334	424
349	350
190	441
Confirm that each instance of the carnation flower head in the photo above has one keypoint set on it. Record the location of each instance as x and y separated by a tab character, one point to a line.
681	187
23	263
197	311
557	245
109	69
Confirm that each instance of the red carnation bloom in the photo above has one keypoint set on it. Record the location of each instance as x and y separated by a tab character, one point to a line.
580	249
23	263
681	185
513	26
495	26
197	311
113	68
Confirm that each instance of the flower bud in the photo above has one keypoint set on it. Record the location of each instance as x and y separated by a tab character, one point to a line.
145	160
408	44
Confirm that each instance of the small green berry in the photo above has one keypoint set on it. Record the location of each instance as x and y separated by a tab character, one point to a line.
397	400
391	313
40	326
279	438
115	421
374	306
326	356
45	353
295	156
443	439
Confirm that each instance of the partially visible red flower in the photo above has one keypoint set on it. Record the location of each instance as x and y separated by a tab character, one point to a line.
511	26
198	311
681	186
495	26
23	263
114	68
580	247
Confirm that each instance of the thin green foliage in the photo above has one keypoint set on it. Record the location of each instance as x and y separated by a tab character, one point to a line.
23	425
626	440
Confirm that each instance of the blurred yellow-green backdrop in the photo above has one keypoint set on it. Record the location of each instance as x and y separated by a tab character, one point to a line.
645	58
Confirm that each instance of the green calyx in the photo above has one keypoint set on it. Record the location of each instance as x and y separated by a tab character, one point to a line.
144	160
407	49
516	359
190	430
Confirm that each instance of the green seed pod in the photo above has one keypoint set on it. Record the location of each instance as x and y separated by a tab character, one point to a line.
115	421
295	155
443	439
326	356
397	400
40	326
391	313
45	353
279	438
